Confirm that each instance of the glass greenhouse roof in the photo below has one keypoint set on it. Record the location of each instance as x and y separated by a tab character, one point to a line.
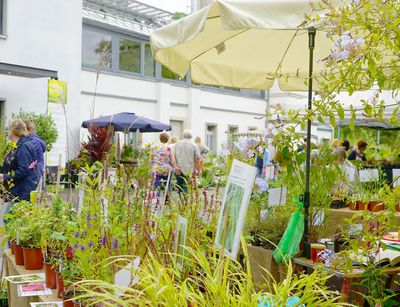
127	14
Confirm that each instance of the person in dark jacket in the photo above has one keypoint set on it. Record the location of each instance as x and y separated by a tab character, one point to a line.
38	144
20	169
358	154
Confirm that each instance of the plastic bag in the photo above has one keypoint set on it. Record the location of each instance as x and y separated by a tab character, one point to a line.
292	236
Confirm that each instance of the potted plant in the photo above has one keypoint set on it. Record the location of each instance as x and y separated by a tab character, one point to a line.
33	221
364	246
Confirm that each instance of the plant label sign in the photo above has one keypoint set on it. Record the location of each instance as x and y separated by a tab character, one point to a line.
181	241
396	177
367	175
127	275
234	207
277	196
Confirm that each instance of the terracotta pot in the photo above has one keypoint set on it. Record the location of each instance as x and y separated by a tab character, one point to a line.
50	274
375	206
67	302
33	258
12	247
361	205
19	255
352	205
59	284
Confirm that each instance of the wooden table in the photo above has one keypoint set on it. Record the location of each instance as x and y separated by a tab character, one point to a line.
13	269
349	279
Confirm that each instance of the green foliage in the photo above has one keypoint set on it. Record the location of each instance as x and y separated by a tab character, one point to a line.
45	125
364	244
178	15
215	280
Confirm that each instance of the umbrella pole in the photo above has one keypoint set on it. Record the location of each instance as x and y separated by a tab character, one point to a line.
311	45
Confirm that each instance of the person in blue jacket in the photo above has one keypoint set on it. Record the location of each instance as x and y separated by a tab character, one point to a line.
20	169
38	144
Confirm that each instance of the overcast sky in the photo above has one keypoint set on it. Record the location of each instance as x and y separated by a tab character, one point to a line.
169	5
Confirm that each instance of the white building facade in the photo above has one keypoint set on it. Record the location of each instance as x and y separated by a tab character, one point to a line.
102	51
38	40
119	74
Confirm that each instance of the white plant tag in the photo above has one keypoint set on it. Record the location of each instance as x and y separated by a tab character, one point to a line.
277	196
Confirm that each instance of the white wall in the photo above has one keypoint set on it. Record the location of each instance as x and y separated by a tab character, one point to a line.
44	34
164	101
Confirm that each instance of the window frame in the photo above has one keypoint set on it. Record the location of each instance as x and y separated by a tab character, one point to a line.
105	33
3	9
214	134
118	34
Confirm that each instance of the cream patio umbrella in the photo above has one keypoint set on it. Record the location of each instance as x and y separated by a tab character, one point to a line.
247	44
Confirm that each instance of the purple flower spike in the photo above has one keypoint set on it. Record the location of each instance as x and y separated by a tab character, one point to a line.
103	240
115	243
76	234
75	245
90	244
82	247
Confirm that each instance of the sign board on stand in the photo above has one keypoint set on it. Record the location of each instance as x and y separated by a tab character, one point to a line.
234	207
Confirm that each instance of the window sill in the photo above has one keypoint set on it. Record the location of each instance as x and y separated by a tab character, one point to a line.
2	36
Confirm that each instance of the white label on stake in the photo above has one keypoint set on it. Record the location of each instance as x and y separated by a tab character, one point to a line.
277	196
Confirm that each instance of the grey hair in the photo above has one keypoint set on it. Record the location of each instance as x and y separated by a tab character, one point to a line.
187	134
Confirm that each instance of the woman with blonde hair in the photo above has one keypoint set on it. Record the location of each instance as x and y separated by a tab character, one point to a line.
162	162
203	149
20	171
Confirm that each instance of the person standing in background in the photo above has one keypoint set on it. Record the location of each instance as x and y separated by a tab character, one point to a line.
187	158
203	149
38	144
161	160
172	141
358	154
20	170
346	145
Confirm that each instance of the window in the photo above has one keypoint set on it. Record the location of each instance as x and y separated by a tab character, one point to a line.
169	74
176	128
129	56
149	63
211	136
231	131
96	49
2	17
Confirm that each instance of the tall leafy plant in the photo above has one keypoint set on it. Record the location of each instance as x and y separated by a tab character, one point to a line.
45	125
98	143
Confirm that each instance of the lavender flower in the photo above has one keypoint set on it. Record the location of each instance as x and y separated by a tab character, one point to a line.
76	234
115	243
262	184
90	244
103	240
224	152
82	247
75	245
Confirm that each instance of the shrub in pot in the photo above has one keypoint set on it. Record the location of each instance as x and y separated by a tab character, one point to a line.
32	225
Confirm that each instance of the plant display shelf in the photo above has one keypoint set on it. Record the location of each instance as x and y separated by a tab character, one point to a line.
13	269
349	280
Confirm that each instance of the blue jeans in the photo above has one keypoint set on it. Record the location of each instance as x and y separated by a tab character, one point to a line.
181	181
160	184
